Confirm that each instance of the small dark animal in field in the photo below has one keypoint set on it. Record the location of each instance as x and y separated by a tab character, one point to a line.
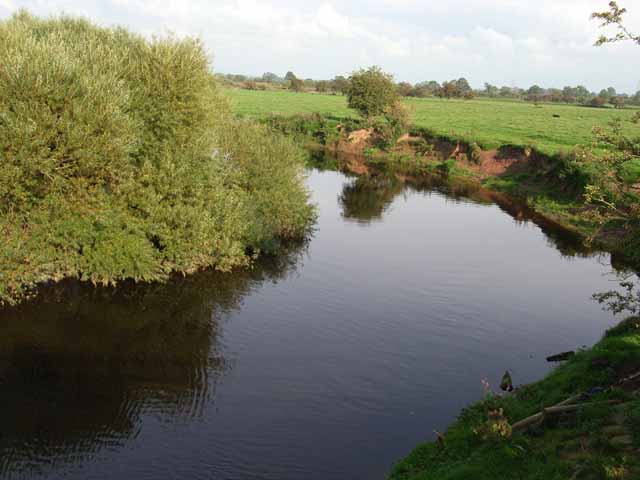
555	115
506	385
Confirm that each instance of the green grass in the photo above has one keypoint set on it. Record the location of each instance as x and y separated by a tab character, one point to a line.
556	449
490	123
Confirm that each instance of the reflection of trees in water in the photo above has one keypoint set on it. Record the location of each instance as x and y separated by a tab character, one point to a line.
80	366
366	198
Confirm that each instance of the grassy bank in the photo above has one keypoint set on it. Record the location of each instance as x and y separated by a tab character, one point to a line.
121	159
549	128
598	440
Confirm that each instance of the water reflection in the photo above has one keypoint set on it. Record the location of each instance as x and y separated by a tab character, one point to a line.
79	366
366	198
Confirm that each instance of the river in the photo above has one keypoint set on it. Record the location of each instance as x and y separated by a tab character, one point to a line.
331	361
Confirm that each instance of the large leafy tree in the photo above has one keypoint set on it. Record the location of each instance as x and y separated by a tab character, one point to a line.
371	92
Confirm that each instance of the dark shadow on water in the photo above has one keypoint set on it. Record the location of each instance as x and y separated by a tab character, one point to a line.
79	366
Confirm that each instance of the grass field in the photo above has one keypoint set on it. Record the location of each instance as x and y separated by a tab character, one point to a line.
490	123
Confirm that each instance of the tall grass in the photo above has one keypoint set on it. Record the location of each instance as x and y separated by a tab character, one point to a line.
120	158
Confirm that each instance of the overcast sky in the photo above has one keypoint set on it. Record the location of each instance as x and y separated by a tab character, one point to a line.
504	42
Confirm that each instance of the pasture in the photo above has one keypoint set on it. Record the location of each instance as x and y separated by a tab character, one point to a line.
549	128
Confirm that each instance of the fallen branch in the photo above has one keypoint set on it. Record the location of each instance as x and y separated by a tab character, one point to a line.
562	407
561	357
630	378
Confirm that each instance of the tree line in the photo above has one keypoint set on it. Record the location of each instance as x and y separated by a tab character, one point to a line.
456	88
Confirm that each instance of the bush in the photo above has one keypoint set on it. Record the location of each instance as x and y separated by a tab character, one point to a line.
371	92
598	102
475	152
120	159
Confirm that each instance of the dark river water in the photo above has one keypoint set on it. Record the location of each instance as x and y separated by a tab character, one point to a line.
330	362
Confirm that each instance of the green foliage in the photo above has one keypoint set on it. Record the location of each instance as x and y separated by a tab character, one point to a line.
617	302
371	92
120	159
475	152
296	85
305	127
614	16
398	117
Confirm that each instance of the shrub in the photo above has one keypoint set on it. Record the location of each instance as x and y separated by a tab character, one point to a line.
118	161
398	117
371	92
598	102
475	152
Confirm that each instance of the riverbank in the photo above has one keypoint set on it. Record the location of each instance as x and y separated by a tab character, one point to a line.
551	185
598	437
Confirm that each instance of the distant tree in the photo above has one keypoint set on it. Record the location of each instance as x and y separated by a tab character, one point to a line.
535	90
506	92
371	92
618	101
296	85
340	84
432	86
448	90
517	92
269	77
604	93
569	95
250	85
535	94
290	76
405	89
582	94
491	90
463	86
469	94
419	91
426	89
554	95
322	86
598	101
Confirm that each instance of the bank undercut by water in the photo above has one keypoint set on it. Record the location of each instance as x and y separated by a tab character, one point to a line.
121	159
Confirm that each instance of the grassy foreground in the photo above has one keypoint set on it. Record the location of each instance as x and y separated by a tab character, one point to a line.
120	159
597	441
488	122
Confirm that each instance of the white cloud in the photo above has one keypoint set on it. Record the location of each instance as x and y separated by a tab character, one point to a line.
500	41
